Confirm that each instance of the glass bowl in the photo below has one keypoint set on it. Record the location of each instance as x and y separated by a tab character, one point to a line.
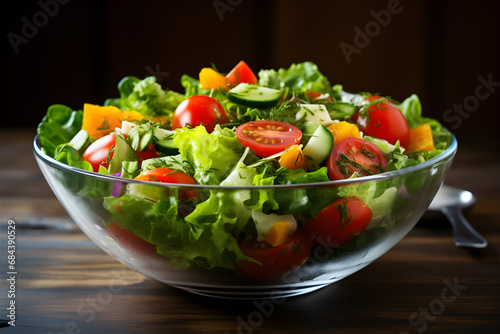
83	195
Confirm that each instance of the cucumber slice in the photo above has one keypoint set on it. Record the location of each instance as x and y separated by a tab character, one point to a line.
80	142
164	141
310	128
172	162
162	134
318	148
166	146
254	96
123	152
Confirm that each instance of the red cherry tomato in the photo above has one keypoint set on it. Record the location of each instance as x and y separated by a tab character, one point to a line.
355	155
275	260
149	153
266	138
241	73
166	175
339	223
319	98
199	110
100	152
384	121
130	241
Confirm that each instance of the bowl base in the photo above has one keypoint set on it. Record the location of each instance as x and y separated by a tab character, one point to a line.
251	292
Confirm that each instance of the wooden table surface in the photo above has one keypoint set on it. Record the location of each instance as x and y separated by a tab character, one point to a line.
424	284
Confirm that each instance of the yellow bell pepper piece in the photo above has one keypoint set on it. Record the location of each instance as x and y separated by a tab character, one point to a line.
421	139
278	234
210	79
164	120
98	121
341	130
293	158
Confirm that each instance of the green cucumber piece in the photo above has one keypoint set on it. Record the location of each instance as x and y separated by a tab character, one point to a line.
318	148
80	142
164	141
166	146
254	96
172	162
122	152
162	134
310	128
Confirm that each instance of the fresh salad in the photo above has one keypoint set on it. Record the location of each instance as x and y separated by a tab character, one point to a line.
237	131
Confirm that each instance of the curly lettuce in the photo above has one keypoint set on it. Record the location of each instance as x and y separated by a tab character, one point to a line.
147	97
206	236
211	156
299	77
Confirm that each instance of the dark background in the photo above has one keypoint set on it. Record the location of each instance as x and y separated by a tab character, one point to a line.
81	49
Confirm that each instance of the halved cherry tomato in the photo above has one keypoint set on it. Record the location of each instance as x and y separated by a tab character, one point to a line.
384	121
355	155
129	240
199	110
167	175
266	138
241	73
340	222
275	261
100	152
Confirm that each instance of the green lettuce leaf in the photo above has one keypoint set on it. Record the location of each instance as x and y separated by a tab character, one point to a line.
58	126
192	86
211	156
147	97
241	176
221	217
207	236
380	197
305	201
158	223
412	110
300	77
68	155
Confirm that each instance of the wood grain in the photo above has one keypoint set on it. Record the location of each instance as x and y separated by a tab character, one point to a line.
66	284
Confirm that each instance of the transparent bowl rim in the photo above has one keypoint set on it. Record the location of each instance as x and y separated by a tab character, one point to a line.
448	153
